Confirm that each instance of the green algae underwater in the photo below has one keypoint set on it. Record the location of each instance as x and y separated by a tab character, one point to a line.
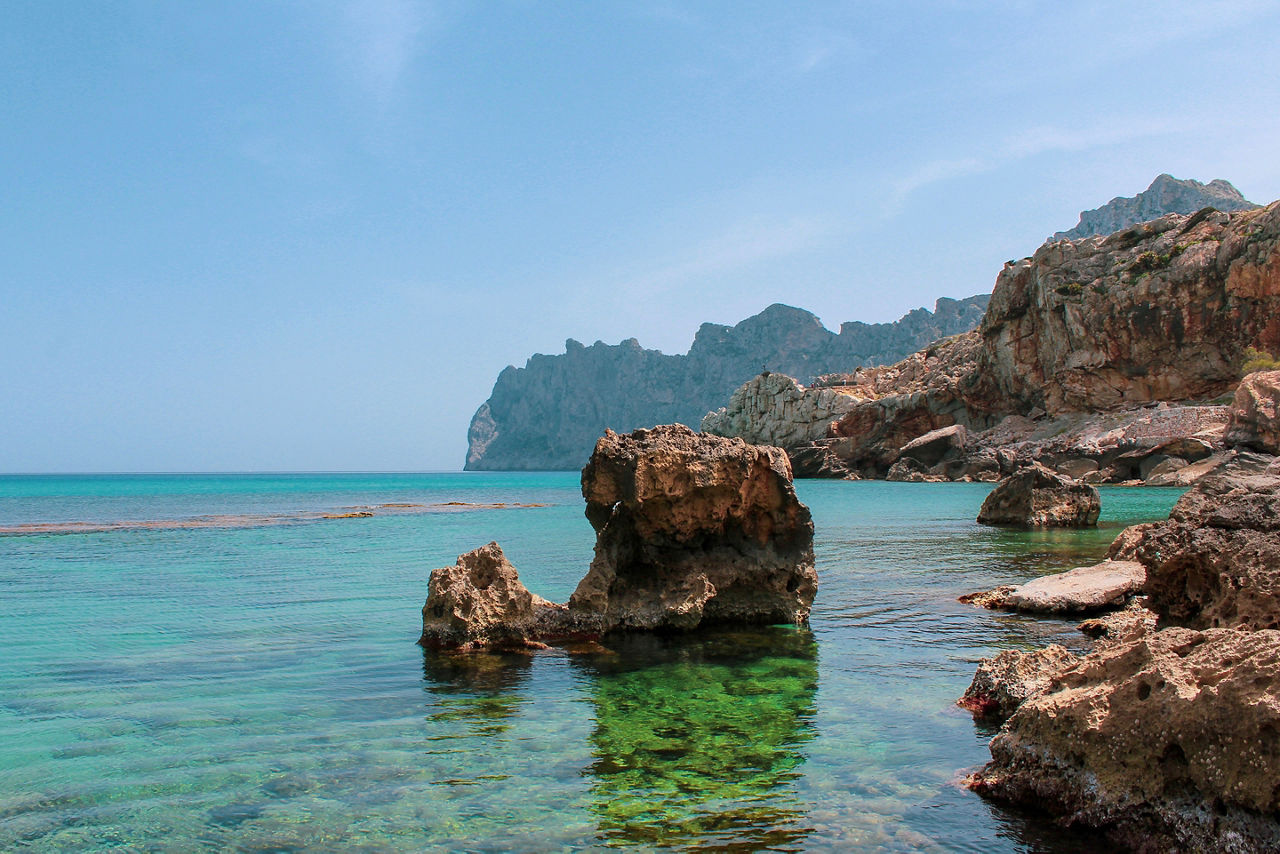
257	687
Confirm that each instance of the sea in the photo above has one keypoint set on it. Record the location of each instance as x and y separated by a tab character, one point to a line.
227	662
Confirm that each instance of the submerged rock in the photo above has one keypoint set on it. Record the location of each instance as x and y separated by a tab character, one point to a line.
1037	497
693	529
690	530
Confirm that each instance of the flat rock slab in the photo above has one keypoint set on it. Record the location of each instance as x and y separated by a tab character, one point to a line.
1080	590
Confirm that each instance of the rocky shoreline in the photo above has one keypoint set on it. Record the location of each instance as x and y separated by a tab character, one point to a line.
1167	736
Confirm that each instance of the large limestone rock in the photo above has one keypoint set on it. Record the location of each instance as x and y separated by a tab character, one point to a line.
1255	413
774	409
480	603
690	530
1167	742
1166	195
1216	561
693	529
1167	739
1036	497
1162	311
549	413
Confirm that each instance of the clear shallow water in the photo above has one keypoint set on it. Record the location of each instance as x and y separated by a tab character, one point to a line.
258	688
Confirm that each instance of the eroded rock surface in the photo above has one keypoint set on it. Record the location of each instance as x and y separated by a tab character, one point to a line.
693	529
1216	560
1005	681
480	603
1168	738
690	530
1036	497
1169	743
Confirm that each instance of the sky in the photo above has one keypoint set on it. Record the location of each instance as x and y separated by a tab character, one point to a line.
306	236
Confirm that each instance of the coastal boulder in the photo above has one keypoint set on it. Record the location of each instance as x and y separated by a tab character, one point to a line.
1216	560
1082	590
1255	413
1167	742
693	529
1037	497
480	603
1005	681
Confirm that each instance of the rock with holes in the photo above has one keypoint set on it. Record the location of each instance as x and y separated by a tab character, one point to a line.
1168	742
693	529
1005	681
1037	497
1216	561
480	603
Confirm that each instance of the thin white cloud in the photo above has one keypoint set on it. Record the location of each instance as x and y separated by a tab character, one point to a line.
933	172
380	38
737	247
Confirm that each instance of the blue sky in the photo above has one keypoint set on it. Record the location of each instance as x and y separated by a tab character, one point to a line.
307	236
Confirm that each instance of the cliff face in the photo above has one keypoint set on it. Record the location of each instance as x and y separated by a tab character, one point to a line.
1166	195
1075	341
548	414
1160	311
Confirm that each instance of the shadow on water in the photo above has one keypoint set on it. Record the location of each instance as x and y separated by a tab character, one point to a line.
698	739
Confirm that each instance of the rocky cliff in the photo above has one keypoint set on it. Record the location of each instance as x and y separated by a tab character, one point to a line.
1078	342
548	414
1166	195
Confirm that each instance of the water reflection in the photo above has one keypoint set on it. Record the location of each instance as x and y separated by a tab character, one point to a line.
482	691
699	739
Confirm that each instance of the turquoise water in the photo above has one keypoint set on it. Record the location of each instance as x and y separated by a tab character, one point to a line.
256	686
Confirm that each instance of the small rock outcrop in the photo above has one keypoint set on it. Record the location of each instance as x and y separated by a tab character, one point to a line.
1082	590
480	603
1166	195
693	529
1005	681
1255	413
1036	497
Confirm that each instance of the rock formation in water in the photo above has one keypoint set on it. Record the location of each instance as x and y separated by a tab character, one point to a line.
1166	737
548	414
1036	497
1166	195
1005	681
691	530
1101	357
480	603
694	529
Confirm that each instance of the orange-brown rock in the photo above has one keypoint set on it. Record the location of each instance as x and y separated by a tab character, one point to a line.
1168	742
1163	310
1255	413
1005	681
693	529
480	603
690	530
1035	497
